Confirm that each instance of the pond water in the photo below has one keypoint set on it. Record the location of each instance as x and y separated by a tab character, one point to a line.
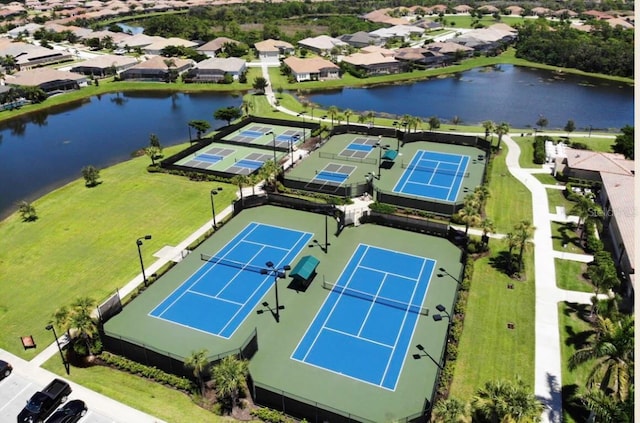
504	93
45	150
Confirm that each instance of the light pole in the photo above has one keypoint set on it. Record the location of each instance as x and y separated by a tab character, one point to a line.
380	149
139	244
277	273
64	361
404	133
304	136
214	192
273	136
444	272
292	141
424	353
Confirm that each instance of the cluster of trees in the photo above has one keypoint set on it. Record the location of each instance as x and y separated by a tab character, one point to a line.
78	323
518	239
604	50
624	143
498	401
13	94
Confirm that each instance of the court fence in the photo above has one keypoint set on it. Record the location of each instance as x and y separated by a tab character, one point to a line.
342	190
426	226
313	411
334	156
414	202
167	361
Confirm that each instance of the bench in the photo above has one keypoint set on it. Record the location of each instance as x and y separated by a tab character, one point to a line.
305	268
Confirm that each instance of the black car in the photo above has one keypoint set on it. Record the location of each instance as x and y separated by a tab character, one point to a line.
5	369
71	412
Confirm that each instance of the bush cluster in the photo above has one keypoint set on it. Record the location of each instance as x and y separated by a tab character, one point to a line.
539	153
270	416
593	243
148	372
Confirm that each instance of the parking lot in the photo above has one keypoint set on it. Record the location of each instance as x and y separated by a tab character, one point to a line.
17	389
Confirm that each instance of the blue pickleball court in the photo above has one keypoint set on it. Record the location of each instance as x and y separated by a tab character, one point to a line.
434	175
219	296
364	328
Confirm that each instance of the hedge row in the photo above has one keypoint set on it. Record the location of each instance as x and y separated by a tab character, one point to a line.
148	372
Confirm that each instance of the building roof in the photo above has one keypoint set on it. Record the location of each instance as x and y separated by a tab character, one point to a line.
398	31
599	162
322	43
311	65
620	192
162	43
462	8
446	47
216	44
37	77
364	59
139	40
159	62
378	49
104	61
360	37
231	64
273	45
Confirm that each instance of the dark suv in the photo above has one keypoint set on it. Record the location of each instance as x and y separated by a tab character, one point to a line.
5	369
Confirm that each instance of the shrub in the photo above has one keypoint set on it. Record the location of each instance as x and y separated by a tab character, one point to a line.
593	243
382	208
539	154
270	416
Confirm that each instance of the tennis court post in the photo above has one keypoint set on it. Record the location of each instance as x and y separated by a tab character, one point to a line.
273	137
139	244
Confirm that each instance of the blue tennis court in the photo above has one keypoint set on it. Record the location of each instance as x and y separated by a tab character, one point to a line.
364	328
209	158
434	175
251	134
359	147
327	176
250	164
219	296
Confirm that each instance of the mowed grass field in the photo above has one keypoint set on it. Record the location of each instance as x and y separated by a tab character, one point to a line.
488	350
84	242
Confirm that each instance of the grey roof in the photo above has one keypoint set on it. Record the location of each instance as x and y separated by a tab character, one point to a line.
231	64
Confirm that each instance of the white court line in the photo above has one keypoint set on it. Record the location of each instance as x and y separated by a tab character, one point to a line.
202	294
357	337
387	273
364	321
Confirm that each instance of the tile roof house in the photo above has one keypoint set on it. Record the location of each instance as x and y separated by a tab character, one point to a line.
589	165
375	63
215	46
157	46
403	32
138	40
378	49
156	69
271	50
104	65
515	10
27	29
51	81
462	8
485	39
312	69
216	69
360	39
29	56
322	44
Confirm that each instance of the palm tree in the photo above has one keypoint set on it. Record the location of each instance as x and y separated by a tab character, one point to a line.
199	363
469	215
82	321
524	232
587	211
414	123
240	181
332	112
611	346
27	211
607	409
362	118
481	193
200	126
603	276
371	115
450	410
487	227
270	172
488	126
230	376
246	107
347	115
506	402
512	242
501	130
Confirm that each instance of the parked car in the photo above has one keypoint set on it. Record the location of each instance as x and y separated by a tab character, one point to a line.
71	412
5	369
43	403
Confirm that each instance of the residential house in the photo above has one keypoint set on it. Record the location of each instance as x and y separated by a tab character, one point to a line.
28	56
360	39
400	32
116	37
157	46
271	50
564	13
105	65
157	68
462	8
24	30
486	39
541	11
382	16
488	9
322	44
216	69
215	46
514	10
138	41
51	81
378	49
375	63
589	165
312	69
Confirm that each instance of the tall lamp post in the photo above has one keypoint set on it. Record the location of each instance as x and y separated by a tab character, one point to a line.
214	192
139	244
65	363
292	141
273	137
424	353
444	272
380	149
277	273
304	136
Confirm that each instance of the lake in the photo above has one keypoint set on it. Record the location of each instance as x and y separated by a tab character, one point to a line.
504	93
46	150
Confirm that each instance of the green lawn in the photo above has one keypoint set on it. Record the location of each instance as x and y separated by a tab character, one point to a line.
464	21
565	238
507	193
596	143
546	178
83	242
572	328
153	398
526	151
569	276
557	198
488	350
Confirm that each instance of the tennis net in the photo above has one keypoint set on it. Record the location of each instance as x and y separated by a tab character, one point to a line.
364	160
231	263
434	170
209	157
413	308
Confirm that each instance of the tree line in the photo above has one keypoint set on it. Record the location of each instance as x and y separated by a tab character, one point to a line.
605	49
